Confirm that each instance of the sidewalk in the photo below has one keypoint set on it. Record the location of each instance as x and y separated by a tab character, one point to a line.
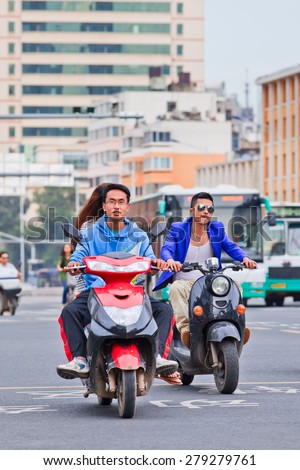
29	290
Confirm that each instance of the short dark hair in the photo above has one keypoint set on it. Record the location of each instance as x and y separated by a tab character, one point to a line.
201	195
3	253
116	186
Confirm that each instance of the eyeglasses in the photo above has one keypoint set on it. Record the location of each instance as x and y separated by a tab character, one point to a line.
202	207
113	202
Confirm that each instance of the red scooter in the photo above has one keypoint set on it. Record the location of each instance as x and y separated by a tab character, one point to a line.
122	336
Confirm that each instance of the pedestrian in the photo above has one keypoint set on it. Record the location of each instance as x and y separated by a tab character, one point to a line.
8	269
63	261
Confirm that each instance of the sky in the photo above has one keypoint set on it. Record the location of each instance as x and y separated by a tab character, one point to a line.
258	36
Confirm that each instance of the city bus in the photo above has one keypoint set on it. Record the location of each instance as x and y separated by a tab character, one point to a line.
241	211
282	255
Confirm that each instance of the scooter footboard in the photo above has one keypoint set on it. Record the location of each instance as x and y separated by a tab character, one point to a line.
125	357
220	330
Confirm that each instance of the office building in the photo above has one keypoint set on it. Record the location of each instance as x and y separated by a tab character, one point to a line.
60	55
280	154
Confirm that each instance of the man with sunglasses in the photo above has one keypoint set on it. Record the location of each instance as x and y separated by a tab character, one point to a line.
194	240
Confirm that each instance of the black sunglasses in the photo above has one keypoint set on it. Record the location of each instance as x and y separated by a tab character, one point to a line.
201	208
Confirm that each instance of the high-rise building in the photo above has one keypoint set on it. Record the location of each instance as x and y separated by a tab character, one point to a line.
60	55
280	150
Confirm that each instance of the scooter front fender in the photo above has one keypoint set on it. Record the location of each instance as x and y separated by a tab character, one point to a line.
125	357
220	330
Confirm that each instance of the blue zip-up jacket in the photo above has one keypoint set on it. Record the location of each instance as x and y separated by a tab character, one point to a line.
98	239
177	243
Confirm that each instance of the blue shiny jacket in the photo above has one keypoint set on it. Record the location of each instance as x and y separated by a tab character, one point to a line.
178	240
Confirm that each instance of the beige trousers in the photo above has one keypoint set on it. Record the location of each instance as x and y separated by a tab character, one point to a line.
179	293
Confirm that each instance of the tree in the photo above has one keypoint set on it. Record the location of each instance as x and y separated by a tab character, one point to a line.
10	214
55	205
10	223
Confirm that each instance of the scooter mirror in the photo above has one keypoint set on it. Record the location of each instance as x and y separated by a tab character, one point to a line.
212	263
72	232
271	219
157	230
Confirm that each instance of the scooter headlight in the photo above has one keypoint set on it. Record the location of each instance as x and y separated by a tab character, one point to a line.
101	266
124	316
220	285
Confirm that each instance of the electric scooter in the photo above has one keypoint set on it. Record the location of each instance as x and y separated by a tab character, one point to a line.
10	292
217	324
122	336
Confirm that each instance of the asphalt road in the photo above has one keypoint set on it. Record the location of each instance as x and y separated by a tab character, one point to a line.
39	410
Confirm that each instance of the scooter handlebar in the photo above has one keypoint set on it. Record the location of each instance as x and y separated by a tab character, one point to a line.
187	267
74	268
234	266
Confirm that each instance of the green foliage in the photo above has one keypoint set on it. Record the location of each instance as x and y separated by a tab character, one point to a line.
10	214
62	199
55	205
10	224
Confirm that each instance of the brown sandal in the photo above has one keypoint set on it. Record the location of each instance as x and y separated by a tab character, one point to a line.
173	379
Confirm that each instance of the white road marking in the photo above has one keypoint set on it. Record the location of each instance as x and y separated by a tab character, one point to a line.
16	410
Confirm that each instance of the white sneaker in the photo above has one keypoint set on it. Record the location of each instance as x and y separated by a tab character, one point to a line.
164	365
77	368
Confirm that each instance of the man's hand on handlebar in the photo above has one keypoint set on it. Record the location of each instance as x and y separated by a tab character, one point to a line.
160	264
73	264
249	263
173	265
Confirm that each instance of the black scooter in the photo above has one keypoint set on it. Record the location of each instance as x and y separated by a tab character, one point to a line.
217	324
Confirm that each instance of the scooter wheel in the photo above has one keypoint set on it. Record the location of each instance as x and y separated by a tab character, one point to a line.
104	401
186	379
2	302
227	376
126	393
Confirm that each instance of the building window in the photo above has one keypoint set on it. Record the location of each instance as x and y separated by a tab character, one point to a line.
266	96
11	110
55	131
72	69
293	126
162	49
284	164
157	137
284	128
179	69
12	132
274	92
135	28
11	48
283	91
292	88
11	69
78	90
115	131
180	29
11	90
11	27
143	7
179	49
11	5
157	163
179	7
80	161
